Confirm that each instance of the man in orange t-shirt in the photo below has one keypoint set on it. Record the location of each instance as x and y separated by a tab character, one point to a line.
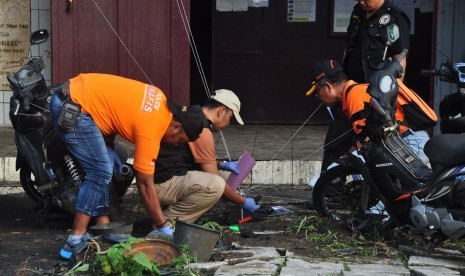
138	112
187	178
331	85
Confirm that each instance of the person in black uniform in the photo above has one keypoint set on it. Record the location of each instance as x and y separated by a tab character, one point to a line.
366	52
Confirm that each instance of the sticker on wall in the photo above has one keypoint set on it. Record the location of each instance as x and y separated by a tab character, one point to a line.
301	10
232	5
258	3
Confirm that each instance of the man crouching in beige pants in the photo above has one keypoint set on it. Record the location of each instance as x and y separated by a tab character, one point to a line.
186	176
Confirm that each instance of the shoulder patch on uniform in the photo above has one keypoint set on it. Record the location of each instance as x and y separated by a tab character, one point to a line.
384	19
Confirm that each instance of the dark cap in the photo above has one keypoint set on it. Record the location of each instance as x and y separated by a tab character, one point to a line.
328	68
190	117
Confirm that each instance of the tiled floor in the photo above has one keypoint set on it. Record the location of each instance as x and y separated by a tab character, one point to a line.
273	142
288	154
264	142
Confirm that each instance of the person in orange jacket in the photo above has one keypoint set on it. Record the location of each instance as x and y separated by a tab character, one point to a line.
331	85
90	107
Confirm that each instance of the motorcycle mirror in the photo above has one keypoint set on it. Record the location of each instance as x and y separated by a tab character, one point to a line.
447	73
39	36
459	68
386	84
384	88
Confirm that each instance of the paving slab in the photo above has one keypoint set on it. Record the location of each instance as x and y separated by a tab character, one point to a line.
372	269
253	267
432	271
299	267
248	253
206	268
426	261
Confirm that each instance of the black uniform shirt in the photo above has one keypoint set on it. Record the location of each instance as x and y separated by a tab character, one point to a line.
366	40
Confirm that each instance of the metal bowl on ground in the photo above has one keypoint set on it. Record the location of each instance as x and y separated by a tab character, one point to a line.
159	251
119	227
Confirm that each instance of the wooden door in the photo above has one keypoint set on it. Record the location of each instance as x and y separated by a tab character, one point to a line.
144	40
267	61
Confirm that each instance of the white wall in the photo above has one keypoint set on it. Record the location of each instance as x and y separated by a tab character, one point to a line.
40	19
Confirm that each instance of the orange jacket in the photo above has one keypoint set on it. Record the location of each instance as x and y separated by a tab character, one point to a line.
134	110
354	102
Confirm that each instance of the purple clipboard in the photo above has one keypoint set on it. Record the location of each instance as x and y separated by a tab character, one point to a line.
244	165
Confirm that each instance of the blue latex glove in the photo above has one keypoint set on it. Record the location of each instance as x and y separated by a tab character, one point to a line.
167	230
115	160
156	234
230	166
250	205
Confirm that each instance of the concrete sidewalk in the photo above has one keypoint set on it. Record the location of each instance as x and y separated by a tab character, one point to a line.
285	154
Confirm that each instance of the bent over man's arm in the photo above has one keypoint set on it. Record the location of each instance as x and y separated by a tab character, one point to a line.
149	196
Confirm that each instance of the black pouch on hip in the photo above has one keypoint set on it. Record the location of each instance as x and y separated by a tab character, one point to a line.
69	114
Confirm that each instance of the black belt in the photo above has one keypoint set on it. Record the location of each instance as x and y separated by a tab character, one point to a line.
406	133
65	89
158	179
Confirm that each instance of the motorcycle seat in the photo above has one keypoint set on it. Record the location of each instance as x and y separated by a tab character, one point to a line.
445	151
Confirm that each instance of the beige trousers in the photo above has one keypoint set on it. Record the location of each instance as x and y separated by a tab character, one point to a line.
187	197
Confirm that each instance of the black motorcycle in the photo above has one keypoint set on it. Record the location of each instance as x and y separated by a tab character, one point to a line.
48	172
420	200
452	107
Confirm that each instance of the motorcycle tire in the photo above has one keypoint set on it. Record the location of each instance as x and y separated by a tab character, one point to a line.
27	180
336	194
29	185
115	204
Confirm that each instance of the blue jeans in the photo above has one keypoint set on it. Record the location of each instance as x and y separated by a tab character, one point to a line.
86	144
416	141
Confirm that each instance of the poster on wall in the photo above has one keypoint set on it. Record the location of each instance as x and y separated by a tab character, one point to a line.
342	9
258	3
15	16
301	10
232	5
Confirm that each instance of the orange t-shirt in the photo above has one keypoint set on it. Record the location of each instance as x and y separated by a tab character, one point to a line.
203	149
354	102
136	111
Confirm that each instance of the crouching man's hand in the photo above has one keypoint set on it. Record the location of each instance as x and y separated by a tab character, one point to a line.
164	233
229	166
250	205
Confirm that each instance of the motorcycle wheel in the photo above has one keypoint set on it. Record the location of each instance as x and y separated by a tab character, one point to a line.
337	195
29	185
27	179
115	204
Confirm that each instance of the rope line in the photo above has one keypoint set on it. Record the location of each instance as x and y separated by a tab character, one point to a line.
122	43
311	115
185	21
